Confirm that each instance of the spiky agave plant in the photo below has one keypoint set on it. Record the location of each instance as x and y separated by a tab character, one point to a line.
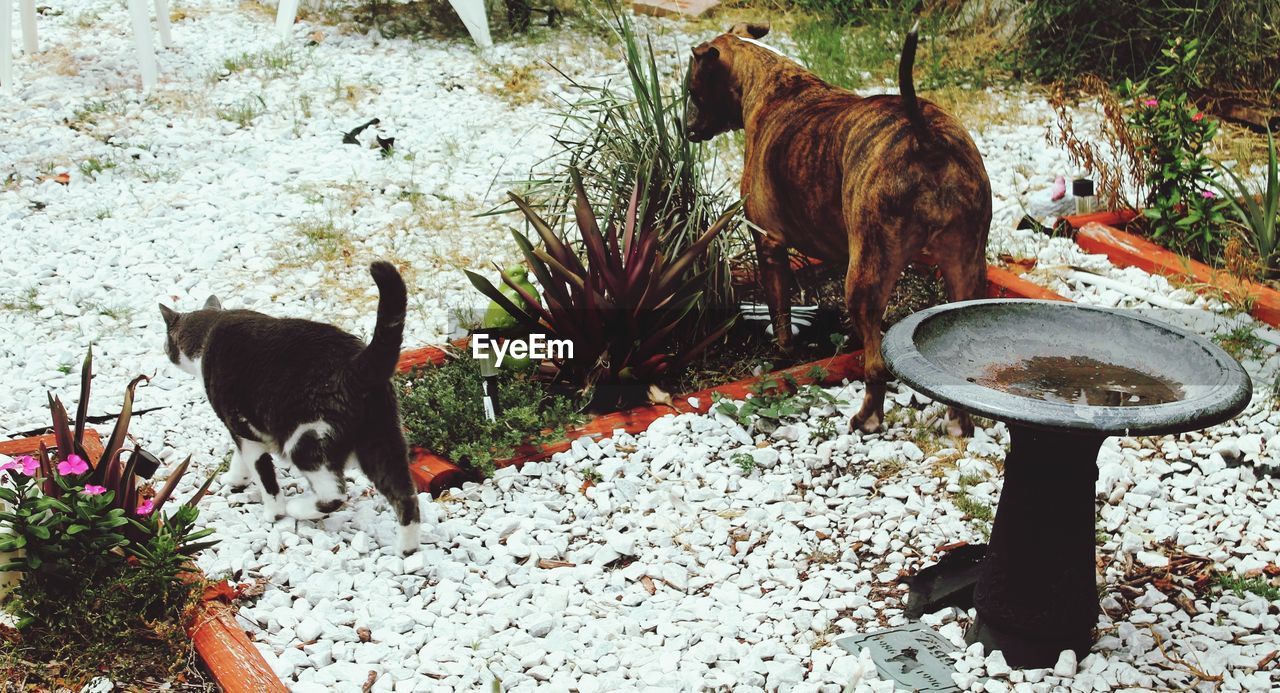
624	305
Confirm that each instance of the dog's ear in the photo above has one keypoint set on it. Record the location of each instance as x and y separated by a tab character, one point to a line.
706	51
749	30
213	303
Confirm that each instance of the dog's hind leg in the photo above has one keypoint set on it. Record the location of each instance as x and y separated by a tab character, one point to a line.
776	279
868	284
963	263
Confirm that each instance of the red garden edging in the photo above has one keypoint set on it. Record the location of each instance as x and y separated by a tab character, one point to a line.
1127	250
235	663
434	474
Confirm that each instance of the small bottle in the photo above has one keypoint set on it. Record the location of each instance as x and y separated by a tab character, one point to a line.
1082	191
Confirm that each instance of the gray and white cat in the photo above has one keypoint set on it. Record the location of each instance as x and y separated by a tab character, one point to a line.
308	393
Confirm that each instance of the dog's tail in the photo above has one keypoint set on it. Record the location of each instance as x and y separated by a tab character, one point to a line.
906	86
376	363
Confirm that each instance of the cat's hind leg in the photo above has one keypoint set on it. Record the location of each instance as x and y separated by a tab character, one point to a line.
265	470
385	460
308	449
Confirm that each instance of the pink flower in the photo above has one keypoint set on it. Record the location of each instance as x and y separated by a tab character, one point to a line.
24	465
72	465
1150	102
1207	194
1198	117
146	507
92	490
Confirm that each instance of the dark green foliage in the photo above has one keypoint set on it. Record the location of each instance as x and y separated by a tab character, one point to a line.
444	413
1065	39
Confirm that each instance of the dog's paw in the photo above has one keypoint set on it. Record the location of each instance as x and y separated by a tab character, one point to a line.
867	422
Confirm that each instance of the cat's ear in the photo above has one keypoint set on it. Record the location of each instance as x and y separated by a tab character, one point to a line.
213	303
170	315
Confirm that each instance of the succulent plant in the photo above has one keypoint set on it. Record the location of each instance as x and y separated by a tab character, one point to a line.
623	304
113	470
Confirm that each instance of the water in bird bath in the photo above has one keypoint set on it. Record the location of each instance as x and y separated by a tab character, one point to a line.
1078	380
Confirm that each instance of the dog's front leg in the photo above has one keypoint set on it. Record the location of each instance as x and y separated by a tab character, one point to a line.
776	278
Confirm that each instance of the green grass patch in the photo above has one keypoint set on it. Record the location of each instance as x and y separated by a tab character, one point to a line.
244	111
1239	585
1241	342
91	167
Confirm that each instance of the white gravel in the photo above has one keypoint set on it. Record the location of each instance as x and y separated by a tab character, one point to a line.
686	571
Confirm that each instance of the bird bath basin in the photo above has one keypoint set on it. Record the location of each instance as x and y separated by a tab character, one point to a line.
1063	377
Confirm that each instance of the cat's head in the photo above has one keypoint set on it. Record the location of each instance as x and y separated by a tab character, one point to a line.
185	333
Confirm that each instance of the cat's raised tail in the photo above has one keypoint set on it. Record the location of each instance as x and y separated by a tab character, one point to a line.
377	362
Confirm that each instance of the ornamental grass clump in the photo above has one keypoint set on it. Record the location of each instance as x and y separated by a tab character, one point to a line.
103	575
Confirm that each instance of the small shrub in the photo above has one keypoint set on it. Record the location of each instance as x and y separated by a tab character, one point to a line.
443	411
1182	207
103	575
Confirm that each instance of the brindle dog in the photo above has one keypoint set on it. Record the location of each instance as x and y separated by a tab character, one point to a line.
870	181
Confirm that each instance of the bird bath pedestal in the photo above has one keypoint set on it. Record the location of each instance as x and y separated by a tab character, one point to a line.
1063	377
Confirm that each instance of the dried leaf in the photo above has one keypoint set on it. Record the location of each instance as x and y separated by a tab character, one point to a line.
647	583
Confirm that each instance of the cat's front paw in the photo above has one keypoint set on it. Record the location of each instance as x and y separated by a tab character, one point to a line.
235	481
272	509
304	508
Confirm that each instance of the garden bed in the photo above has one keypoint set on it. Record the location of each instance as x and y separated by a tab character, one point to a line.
226	650
1098	233
434	474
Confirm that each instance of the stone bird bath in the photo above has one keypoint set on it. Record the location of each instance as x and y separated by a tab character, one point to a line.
1063	377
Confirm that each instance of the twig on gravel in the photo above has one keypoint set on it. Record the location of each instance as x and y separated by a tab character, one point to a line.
1181	664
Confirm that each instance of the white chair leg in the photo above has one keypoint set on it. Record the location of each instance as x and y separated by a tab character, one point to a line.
286	13
475	18
6	43
142	40
28	9
162	23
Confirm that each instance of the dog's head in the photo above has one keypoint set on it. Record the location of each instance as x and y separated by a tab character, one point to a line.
715	97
